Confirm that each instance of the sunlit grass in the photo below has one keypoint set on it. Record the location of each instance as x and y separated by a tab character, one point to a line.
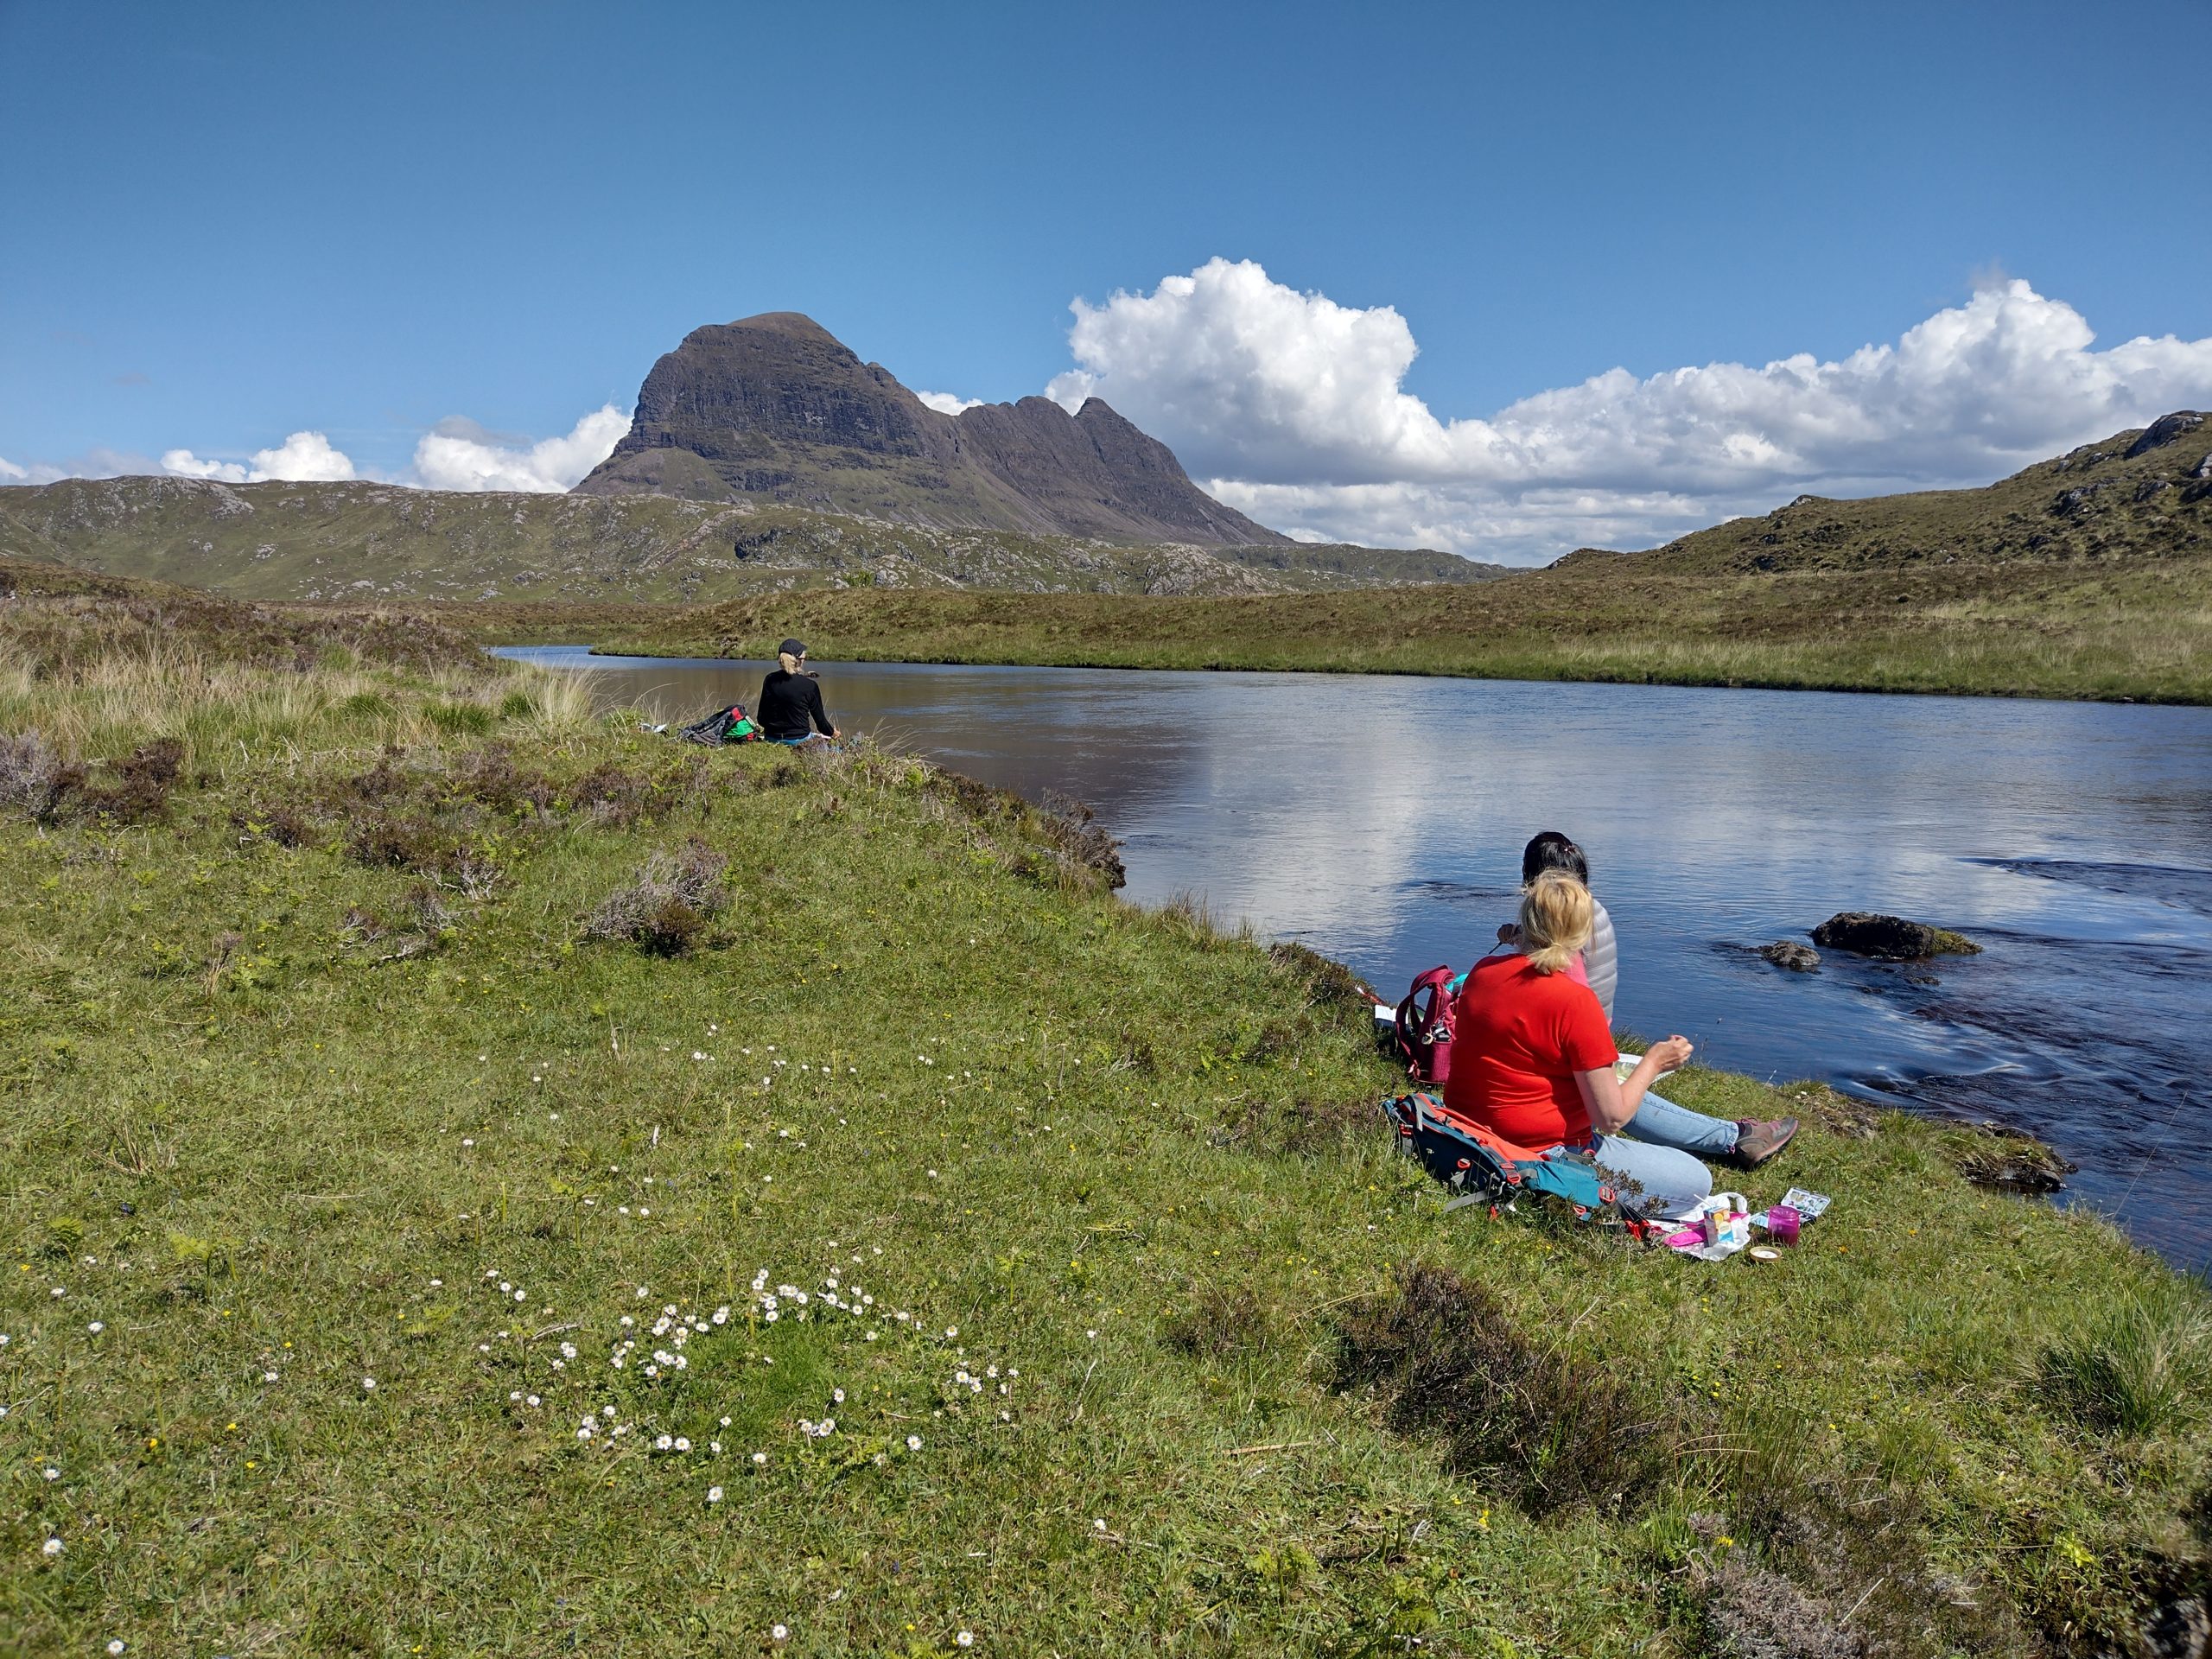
285	1118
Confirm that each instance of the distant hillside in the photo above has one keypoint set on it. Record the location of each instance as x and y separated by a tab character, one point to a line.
774	409
363	543
2143	493
2088	576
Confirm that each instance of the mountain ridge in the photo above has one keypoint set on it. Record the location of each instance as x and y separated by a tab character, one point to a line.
774	409
369	542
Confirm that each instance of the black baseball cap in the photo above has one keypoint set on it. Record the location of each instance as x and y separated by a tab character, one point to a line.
792	648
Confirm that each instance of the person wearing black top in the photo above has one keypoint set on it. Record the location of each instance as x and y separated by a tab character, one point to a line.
790	710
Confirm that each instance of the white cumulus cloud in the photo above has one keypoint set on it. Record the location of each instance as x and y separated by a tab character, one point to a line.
459	454
302	458
946	403
1292	407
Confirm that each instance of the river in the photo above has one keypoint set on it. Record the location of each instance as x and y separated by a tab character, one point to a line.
1380	820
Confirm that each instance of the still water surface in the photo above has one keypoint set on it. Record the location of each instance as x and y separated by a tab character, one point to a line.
1381	821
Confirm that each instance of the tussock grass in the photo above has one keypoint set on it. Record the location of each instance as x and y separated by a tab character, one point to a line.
2143	1368
281	1120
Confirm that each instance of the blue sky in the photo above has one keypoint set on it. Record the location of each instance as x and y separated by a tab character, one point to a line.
228	223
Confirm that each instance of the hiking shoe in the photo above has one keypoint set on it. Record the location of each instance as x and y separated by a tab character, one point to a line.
1757	1141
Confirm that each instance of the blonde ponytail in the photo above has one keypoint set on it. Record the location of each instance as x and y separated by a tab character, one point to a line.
790	662
1556	916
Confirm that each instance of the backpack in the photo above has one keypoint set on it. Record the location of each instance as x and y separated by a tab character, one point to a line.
1424	1028
730	725
1477	1164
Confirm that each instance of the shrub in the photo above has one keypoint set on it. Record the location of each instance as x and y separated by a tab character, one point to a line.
284	824
34	780
517	705
387	840
142	781
663	912
611	793
1449	1360
493	778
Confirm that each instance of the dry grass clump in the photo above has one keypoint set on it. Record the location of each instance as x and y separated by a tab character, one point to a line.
1074	829
666	910
38	782
1750	1613
1562	1431
34	779
426	920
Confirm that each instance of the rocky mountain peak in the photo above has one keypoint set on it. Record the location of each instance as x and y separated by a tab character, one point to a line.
774	408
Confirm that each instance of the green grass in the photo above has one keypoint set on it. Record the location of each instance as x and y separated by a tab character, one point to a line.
2138	629
310	1059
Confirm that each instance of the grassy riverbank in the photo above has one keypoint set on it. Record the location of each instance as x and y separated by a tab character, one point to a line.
387	1042
2126	628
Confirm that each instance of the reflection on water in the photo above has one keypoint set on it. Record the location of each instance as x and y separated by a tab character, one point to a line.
1381	820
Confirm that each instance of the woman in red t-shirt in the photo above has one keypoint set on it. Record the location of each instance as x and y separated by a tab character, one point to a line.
1532	1056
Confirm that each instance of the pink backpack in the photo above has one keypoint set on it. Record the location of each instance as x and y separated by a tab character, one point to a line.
1424	1021
1424	1028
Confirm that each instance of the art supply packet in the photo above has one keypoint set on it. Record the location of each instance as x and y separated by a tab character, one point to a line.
1808	1205
1715	1231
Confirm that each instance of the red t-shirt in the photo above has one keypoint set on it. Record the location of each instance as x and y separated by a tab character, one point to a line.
1518	1038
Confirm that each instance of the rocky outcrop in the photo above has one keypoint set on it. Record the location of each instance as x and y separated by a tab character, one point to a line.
1789	953
2007	1159
2164	430
1889	938
775	408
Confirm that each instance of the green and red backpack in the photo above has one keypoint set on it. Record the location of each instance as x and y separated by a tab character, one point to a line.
730	725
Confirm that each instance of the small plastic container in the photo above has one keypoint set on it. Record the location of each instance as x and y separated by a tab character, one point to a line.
1782	1224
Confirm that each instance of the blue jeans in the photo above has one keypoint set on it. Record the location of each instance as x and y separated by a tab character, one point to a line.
1659	1150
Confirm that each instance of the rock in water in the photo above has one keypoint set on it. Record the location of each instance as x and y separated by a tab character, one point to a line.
1889	938
1788	953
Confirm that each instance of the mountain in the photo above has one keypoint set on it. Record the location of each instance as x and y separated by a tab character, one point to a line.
377	543
774	409
2145	493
